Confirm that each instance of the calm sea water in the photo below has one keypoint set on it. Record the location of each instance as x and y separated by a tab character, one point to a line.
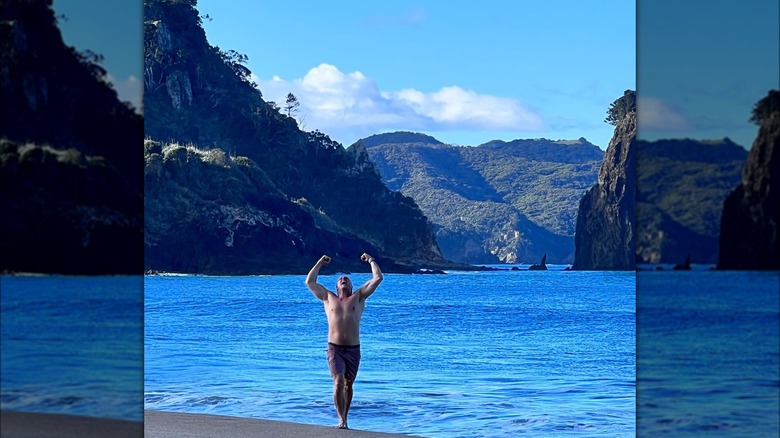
72	345
707	353
462	354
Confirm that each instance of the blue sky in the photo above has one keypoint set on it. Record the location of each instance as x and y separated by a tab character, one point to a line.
465	72
113	29
703	64
468	72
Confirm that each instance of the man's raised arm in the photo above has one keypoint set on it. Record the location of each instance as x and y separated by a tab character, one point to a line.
317	289
367	289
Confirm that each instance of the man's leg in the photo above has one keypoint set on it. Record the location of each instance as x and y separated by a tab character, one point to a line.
347	397
339	399
352	364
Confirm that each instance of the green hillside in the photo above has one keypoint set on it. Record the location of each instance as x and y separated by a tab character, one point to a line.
681	186
498	202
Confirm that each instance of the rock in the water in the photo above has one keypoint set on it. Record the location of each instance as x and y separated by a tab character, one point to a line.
685	266
542	266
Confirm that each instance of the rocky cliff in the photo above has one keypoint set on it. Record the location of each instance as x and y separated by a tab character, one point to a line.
500	202
750	226
202	96
606	220
71	185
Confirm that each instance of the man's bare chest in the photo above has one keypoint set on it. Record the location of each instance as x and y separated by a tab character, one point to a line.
350	307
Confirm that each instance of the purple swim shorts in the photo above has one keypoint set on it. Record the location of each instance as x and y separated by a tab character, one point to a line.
344	359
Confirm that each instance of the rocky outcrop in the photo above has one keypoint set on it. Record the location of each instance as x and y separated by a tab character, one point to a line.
750	226
684	266
70	180
606	220
541	266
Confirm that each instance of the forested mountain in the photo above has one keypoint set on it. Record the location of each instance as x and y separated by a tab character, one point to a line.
750	225
233	186
501	201
71	181
681	186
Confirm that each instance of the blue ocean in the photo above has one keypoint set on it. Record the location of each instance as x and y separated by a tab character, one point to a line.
464	354
72	345
708	346
461	354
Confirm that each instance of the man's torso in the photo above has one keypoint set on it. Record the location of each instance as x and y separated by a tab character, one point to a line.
344	318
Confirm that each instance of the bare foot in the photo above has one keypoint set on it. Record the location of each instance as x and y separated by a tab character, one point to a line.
341	426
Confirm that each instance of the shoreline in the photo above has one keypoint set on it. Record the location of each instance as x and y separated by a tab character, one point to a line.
162	424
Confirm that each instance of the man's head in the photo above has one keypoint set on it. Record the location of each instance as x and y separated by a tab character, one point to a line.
344	285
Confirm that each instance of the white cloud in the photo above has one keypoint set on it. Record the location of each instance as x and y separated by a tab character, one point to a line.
128	90
655	114
456	106
350	105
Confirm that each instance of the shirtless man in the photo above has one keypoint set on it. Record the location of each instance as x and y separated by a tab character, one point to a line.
344	310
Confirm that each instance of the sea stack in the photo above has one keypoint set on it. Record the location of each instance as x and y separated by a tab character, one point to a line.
606	220
542	266
749	229
684	266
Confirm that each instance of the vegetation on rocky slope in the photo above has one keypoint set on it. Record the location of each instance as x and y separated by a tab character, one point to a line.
498	202
681	186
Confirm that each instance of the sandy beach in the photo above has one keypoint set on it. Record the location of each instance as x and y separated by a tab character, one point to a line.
28	425
159	424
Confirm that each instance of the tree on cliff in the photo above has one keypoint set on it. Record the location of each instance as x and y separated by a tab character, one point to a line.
291	105
765	107
620	107
237	62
